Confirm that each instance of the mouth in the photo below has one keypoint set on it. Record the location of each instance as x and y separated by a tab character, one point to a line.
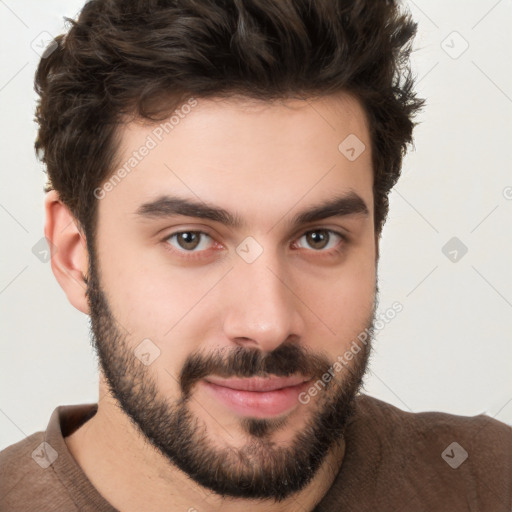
258	397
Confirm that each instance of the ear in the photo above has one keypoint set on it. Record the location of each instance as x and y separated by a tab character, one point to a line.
69	256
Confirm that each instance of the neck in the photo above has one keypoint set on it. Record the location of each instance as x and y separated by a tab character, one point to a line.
132	475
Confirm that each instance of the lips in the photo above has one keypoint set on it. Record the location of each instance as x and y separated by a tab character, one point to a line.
258	384
257	397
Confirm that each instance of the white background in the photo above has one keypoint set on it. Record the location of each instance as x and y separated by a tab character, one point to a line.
449	349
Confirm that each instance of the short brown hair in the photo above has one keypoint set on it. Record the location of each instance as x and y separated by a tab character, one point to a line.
144	57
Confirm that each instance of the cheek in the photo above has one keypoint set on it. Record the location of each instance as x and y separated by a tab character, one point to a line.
137	281
156	300
151	303
341	305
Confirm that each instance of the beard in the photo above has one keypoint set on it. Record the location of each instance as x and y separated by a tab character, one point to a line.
261	468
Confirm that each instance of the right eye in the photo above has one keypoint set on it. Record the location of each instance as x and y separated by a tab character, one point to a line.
189	241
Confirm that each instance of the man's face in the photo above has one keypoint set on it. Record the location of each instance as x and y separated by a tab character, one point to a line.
183	304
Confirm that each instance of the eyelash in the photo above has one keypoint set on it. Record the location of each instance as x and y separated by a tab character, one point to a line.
199	254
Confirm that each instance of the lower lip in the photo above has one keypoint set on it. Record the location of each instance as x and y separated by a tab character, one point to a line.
258	404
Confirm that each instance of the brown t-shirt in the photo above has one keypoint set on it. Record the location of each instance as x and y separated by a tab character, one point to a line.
394	461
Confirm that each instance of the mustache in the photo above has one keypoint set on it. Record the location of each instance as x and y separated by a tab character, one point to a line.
286	360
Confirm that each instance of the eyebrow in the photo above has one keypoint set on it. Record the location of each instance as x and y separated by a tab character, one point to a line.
170	206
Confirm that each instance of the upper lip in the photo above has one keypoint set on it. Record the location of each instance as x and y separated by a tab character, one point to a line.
258	383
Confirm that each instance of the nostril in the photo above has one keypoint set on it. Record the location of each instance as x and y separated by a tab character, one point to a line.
243	341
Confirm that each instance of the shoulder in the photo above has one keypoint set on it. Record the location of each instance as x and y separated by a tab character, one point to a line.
424	460
443	439
25	473
435	428
15	458
36	471
368	407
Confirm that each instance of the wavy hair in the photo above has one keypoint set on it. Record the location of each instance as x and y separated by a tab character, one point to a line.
143	58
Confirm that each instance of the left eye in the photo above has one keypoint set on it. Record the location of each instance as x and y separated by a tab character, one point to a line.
320	239
189	240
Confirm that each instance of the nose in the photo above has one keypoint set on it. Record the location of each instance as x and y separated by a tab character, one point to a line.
263	310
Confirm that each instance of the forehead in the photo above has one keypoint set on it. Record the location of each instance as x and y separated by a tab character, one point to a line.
255	158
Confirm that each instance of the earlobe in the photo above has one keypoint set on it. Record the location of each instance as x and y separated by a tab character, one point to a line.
69	256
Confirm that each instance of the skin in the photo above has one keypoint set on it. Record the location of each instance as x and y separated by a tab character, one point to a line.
265	162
